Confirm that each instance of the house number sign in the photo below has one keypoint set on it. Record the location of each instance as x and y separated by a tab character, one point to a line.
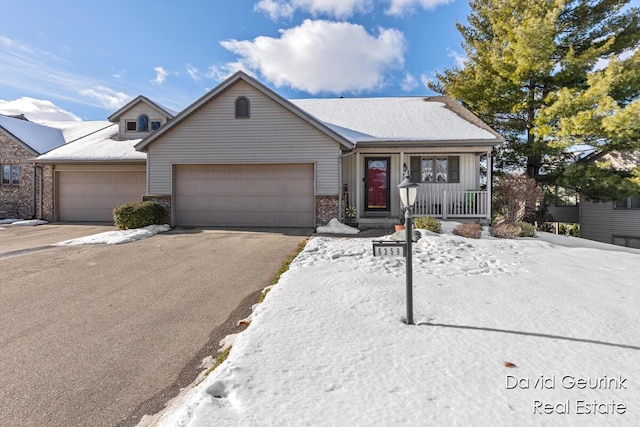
386	248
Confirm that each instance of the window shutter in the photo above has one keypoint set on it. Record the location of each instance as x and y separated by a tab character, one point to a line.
415	169
454	169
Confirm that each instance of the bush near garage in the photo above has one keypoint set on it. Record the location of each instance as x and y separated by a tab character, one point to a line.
139	215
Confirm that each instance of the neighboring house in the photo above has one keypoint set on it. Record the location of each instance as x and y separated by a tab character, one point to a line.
613	222
21	141
86	178
244	156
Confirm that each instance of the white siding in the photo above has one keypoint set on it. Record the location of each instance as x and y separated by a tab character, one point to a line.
600	221
272	134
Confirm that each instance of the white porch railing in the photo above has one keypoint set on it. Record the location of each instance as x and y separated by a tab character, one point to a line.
452	204
446	204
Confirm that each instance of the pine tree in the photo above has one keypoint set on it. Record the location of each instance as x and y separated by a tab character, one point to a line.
534	73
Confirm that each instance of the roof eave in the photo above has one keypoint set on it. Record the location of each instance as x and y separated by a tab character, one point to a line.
240	75
115	117
436	143
89	161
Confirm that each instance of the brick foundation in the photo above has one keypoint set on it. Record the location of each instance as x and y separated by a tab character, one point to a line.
327	207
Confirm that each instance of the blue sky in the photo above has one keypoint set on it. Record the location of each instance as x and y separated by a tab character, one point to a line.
89	58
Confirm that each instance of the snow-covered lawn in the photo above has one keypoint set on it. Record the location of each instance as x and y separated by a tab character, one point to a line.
508	333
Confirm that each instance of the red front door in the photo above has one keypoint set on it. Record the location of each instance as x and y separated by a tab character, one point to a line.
377	183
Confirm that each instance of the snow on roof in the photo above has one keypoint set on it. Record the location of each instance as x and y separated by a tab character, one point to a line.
99	146
73	130
397	119
36	136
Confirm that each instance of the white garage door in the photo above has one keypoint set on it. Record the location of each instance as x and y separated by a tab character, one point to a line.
91	196
279	195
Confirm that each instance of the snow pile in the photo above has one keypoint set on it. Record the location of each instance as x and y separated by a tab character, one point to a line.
508	332
336	227
116	237
23	222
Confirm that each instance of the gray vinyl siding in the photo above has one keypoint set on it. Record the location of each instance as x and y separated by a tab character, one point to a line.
570	214
272	134
600	221
132	115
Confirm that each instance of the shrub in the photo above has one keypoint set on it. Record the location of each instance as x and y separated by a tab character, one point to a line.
528	230
427	223
570	229
514	195
138	215
573	230
471	230
504	230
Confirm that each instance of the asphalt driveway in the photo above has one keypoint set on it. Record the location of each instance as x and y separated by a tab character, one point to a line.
99	335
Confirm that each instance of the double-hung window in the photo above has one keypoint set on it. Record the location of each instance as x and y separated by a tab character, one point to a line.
435	169
630	203
10	174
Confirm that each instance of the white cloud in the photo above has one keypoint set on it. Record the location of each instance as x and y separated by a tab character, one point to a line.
322	56
409	83
341	9
31	70
107	97
224	71
193	72
37	110
459	58
405	7
426	80
334	8
161	75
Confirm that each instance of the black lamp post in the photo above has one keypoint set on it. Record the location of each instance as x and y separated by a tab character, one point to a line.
408	193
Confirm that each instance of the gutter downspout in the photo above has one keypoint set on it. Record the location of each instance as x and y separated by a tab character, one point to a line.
34	205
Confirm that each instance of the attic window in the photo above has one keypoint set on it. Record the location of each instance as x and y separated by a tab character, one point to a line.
155	124
242	108
143	123
131	126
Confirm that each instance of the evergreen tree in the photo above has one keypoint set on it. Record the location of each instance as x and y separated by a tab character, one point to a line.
535	73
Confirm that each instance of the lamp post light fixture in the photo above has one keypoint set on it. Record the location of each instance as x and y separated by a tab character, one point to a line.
408	193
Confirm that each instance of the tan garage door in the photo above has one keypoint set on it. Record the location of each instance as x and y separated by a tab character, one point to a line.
245	195
91	196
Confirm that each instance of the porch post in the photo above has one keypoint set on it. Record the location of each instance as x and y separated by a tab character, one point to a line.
401	175
358	186
489	183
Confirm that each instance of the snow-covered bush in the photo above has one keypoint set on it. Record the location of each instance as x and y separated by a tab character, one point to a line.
504	230
472	230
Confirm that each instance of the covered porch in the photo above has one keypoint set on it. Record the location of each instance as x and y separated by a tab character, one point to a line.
370	196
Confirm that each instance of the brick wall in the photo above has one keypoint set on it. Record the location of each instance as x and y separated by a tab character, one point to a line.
327	207
16	200
45	203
